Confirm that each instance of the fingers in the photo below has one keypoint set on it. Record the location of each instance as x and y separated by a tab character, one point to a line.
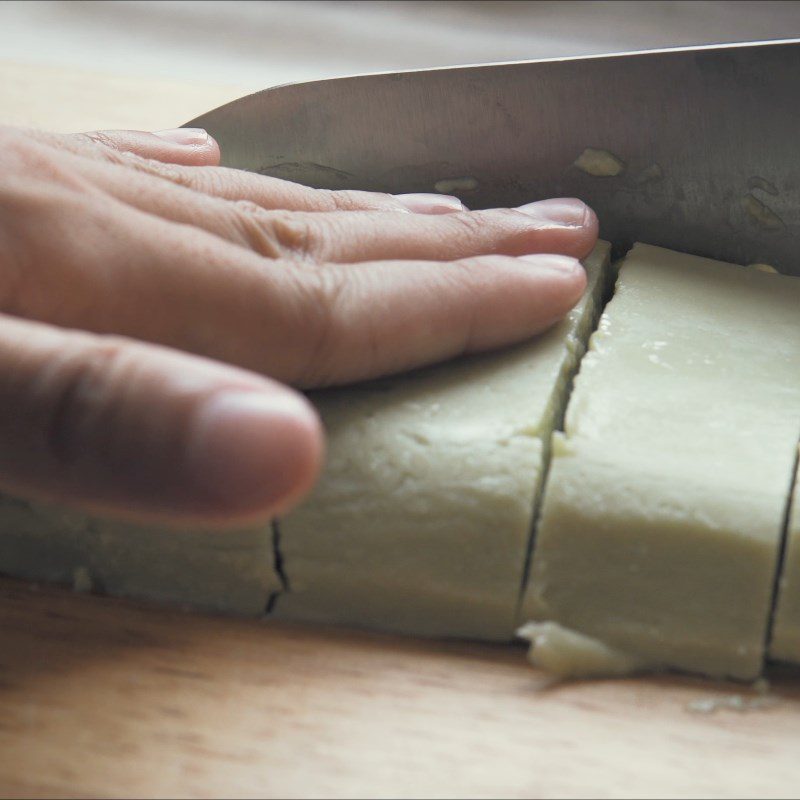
565	226
171	155
550	226
122	271
272	193
190	147
74	256
116	426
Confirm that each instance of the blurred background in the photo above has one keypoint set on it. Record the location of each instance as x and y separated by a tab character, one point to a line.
253	45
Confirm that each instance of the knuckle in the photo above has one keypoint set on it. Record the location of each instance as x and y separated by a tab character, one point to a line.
293	234
275	234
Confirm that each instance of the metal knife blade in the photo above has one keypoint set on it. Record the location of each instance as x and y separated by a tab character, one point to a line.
700	146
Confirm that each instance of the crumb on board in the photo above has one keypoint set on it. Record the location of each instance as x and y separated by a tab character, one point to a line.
759	699
453	185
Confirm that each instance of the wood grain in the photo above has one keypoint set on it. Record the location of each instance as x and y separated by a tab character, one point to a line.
100	698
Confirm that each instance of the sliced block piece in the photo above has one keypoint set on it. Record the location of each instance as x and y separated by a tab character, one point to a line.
421	521
227	571
785	644
663	510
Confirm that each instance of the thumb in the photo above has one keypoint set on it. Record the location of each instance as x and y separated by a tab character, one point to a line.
143	432
191	147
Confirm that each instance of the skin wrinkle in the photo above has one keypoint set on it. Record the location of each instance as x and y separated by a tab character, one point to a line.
326	289
102	139
63	374
469	337
375	320
82	381
157	169
350	200
339	301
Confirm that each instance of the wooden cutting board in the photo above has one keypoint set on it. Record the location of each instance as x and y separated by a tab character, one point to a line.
101	698
67	100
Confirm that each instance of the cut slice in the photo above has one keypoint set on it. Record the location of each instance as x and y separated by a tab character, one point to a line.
785	644
421	521
227	571
663	511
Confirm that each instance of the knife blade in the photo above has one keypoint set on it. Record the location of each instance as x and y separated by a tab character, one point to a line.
695	149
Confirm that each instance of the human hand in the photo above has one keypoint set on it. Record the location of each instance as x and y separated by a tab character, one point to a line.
155	309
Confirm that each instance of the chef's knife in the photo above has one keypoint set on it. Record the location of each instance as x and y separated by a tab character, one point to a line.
697	149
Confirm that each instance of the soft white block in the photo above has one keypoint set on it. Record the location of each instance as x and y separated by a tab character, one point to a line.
664	507
421	520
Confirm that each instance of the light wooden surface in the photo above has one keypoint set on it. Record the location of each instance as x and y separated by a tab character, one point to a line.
68	101
100	698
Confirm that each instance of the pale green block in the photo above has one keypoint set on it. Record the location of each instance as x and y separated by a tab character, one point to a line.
226	571
421	521
663	511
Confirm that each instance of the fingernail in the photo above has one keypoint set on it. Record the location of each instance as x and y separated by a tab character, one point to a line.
431	203
566	211
184	136
553	262
251	450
